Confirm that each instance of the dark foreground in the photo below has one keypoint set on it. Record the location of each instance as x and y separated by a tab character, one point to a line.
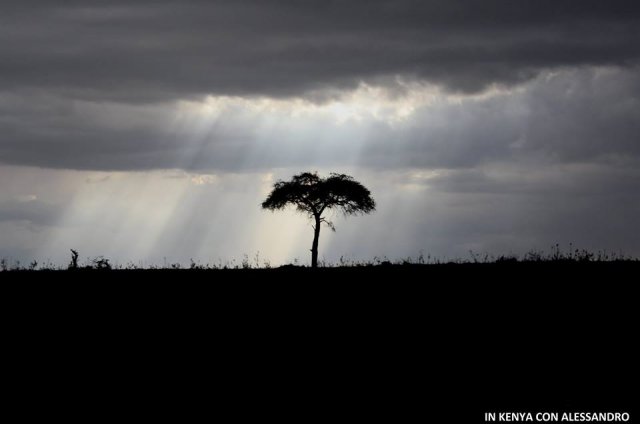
396	343
564	272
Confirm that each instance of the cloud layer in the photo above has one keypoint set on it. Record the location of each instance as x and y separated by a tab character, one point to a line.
585	115
146	51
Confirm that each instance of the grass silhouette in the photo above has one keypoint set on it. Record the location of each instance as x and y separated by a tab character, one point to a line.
555	257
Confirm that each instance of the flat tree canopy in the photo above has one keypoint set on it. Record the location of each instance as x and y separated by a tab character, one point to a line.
313	195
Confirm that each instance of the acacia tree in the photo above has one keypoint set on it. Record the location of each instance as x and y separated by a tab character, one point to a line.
313	195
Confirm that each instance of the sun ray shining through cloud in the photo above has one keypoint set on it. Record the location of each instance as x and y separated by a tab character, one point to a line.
497	129
434	161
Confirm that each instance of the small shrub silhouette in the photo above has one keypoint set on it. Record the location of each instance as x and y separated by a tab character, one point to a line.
74	260
101	263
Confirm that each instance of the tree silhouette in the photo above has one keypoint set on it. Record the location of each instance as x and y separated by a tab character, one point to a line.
313	195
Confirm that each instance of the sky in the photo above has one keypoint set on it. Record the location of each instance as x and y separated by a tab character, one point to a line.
149	132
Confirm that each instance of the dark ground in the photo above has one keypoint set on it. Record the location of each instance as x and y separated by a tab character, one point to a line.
501	271
433	343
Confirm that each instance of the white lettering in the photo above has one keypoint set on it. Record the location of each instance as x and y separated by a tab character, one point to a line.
547	416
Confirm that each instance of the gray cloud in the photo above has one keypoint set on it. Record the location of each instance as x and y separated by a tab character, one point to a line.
572	116
76	79
32	211
148	51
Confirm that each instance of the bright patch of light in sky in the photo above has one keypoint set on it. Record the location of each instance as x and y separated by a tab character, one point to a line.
365	103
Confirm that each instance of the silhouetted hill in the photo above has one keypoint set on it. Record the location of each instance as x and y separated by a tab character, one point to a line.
440	343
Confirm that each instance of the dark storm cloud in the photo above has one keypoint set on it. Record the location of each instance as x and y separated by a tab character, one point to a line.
573	116
154	50
60	62
578	116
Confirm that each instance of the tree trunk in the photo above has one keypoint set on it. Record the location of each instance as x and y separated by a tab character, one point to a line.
314	247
